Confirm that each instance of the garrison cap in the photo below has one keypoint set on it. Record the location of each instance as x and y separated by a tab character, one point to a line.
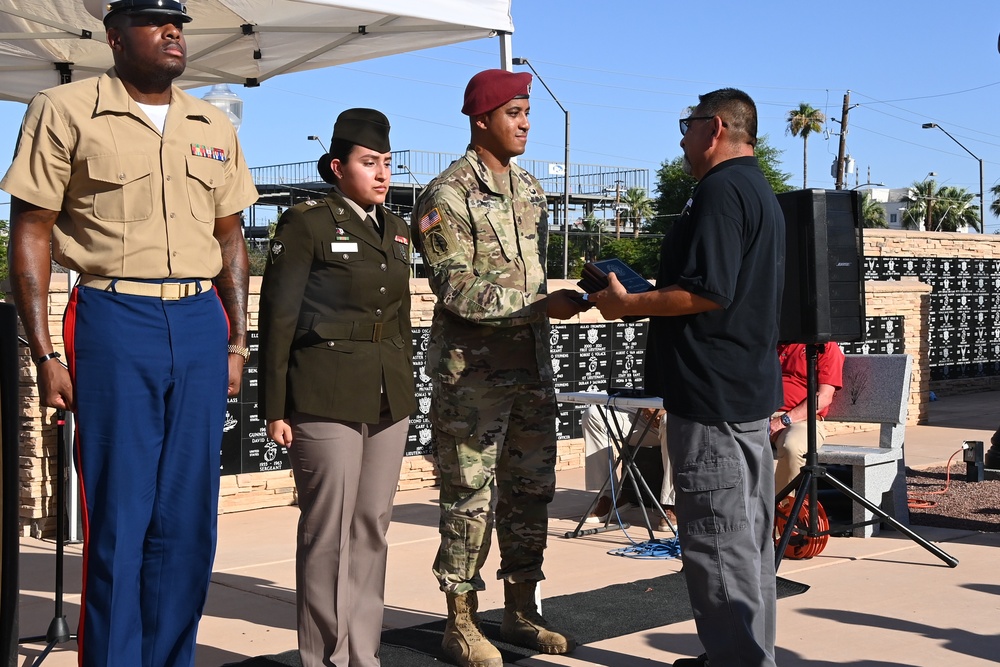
493	88
362	127
102	9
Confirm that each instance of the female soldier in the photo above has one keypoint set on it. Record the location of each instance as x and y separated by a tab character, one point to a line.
337	384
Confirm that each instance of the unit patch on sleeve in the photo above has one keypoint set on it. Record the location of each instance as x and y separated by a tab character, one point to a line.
438	240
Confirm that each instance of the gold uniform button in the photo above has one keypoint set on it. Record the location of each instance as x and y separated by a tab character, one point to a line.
345	256
121	177
381	290
383	266
168	177
378	312
330	343
173	215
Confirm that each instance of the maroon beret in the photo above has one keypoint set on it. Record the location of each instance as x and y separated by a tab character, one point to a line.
493	88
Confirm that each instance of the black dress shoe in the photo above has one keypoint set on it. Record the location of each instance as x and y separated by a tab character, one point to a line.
700	661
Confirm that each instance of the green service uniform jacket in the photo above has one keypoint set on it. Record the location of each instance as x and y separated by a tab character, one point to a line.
335	315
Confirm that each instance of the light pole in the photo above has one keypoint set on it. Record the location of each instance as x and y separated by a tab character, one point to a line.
982	193
413	206
413	190
313	137
224	99
524	61
403	167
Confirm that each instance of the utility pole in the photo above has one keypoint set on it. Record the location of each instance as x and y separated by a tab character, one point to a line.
618	213
843	141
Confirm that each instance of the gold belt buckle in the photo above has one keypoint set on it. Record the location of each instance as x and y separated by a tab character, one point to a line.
170	291
377	332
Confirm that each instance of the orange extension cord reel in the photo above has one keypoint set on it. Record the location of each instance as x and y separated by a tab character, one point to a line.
800	545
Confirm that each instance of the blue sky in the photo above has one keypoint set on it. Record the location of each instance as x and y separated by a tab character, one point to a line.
625	70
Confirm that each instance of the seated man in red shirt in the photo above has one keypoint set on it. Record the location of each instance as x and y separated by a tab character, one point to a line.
789	430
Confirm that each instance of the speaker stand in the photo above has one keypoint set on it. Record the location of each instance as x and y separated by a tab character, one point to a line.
805	482
58	631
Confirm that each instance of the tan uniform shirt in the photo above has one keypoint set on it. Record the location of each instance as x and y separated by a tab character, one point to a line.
132	203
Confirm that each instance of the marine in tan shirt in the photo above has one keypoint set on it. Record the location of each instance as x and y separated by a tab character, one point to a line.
139	187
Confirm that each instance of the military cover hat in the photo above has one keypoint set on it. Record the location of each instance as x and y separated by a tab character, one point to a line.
362	127
493	88
102	9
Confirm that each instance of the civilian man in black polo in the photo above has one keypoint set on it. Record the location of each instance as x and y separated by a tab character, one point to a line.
713	332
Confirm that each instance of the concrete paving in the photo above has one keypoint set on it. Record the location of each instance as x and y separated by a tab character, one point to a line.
872	602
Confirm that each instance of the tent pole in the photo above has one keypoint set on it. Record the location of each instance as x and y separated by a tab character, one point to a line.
506	59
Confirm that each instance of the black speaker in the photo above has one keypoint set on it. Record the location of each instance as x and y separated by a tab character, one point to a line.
8	485
824	297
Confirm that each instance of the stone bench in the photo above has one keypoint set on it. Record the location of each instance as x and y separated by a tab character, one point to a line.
876	391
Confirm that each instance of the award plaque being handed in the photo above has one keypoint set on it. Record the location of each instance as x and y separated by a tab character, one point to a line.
594	278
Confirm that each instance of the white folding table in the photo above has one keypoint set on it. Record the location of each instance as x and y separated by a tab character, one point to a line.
625	456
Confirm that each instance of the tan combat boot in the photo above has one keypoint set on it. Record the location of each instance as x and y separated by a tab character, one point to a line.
524	626
463	641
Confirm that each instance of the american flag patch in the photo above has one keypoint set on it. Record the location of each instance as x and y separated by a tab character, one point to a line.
431	218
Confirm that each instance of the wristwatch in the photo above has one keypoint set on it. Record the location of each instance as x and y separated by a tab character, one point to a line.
786	421
242	351
46	357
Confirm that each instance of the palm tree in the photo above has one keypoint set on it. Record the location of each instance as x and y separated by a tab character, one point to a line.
945	209
638	207
919	201
960	212
872	214
592	227
801	123
995	204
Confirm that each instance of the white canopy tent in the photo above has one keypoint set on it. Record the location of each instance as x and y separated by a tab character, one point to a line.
43	44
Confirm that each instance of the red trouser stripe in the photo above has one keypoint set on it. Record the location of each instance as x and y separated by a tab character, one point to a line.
69	338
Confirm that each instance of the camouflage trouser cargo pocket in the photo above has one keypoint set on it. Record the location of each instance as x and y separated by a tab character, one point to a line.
467	466
463	458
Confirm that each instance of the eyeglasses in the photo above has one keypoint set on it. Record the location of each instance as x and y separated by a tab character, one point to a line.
686	122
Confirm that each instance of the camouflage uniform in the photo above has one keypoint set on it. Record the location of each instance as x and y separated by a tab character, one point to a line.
483	236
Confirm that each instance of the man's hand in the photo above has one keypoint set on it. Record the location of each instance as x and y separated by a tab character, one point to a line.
235	374
776	427
612	300
280	431
564	304
55	389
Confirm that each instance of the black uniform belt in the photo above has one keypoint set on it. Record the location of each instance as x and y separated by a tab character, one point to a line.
167	291
361	331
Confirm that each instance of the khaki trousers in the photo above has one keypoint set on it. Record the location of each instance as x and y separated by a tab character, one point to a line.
346	475
790	448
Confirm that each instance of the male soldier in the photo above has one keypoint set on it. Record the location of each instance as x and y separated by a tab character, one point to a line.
137	186
482	226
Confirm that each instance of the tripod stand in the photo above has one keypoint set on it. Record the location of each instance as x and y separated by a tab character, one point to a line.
58	630
806	482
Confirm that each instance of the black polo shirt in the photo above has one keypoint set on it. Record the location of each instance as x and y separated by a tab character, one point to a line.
728	246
